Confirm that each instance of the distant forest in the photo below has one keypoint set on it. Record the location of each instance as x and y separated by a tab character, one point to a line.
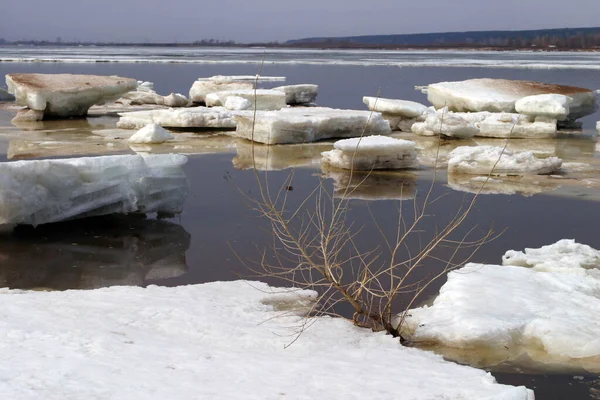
565	38
543	39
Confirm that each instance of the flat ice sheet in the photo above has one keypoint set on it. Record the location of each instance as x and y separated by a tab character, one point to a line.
224	340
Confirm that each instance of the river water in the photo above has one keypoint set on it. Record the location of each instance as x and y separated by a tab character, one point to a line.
218	232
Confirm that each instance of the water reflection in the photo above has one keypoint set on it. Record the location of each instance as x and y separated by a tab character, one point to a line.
278	157
93	253
375	185
523	185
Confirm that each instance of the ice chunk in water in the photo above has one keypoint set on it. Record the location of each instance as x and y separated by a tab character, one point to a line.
44	191
261	99
553	106
372	152
483	160
151	133
299	94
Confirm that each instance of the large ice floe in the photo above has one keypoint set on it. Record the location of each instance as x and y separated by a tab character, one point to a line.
299	94
43	191
66	95
485	124
372	152
308	124
484	160
259	99
195	117
401	114
540	308
500	95
219	83
195	341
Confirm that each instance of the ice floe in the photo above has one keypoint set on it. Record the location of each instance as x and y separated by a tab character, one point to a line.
372	152
194	341
260	99
195	117
219	83
542	305
145	94
43	191
299	94
401	114
66	95
484	160
309	124
485	124
500	95
151	134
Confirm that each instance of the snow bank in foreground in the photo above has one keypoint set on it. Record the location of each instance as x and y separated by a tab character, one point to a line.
372	152
217	340
43	191
483	160
549	312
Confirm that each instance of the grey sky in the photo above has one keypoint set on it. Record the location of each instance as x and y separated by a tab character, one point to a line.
266	20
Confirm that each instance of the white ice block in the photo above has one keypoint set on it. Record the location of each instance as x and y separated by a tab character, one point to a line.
402	108
43	191
260	99
66	95
553	106
151	134
218	83
309	124
484	160
372	152
195	117
299	94
500	95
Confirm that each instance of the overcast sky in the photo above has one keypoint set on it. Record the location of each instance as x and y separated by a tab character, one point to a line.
277	20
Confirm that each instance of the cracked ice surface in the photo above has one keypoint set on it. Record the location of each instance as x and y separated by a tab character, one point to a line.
43	191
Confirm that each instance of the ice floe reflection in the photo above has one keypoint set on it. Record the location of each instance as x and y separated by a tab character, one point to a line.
93	253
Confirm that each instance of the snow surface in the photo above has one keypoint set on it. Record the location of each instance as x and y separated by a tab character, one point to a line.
485	124
402	108
195	117
223	340
299	94
151	134
500	95
260	99
549	312
372	152
484	160
309	124
553	106
43	191
66	95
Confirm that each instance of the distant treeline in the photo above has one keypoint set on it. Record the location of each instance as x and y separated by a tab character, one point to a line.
546	39
567	38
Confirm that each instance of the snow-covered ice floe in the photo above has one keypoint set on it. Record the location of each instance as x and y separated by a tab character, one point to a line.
372	152
195	117
145	94
299	94
66	95
151	134
219	83
401	114
259	99
553	106
373	185
500	95
309	124
485	124
484	160
194	341
43	191
542	306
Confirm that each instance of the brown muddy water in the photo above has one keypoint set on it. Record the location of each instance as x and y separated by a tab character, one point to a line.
218	227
